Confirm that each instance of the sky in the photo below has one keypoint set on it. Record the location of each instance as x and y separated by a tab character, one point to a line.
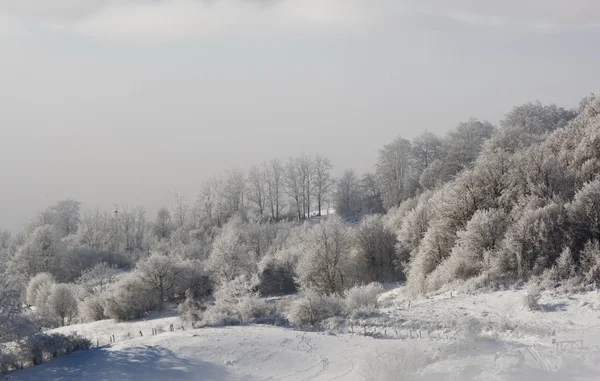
129	102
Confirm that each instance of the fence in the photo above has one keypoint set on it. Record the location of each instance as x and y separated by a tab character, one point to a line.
112	338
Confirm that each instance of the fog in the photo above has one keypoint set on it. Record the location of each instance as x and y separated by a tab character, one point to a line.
130	102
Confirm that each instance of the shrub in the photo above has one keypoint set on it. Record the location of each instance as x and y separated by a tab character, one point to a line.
363	298
129	300
92	308
35	349
532	297
190	310
191	276
255	309
38	288
63	303
277	279
313	309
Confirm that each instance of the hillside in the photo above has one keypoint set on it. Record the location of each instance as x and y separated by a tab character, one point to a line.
511	343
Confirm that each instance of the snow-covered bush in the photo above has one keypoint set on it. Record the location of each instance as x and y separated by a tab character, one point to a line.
63	303
363	298
36	349
190	310
532	297
92	308
254	309
191	276
325	261
228	300
276	278
130	299
375	251
160	274
312	309
97	278
38	289
230	257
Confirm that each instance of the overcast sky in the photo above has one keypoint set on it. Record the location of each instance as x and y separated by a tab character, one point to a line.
131	101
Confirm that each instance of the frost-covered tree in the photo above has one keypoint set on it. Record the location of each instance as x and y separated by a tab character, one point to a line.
190	310
534	241
38	288
13	323
130	299
426	148
348	197
322	180
372	194
375	250
180	211
96	279
256	188
230	257
306	166
163	224
234	191
584	214
323	267
395	172
159	273
39	253
65	217
63	303
274	173
474	247
460	149
294	186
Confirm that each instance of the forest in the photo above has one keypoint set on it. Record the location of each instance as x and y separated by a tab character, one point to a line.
483	208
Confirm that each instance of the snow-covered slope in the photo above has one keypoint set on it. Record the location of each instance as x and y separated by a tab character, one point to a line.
517	351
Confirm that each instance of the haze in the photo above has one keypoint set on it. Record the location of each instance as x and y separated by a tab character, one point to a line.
130	102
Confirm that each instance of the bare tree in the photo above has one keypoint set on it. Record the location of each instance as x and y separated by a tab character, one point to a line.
322	179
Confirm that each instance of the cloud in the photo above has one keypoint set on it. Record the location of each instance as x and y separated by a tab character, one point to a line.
535	14
179	19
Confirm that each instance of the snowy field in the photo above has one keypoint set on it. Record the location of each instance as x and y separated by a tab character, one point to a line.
433	339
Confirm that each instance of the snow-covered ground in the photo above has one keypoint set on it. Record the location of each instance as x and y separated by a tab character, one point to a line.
515	344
